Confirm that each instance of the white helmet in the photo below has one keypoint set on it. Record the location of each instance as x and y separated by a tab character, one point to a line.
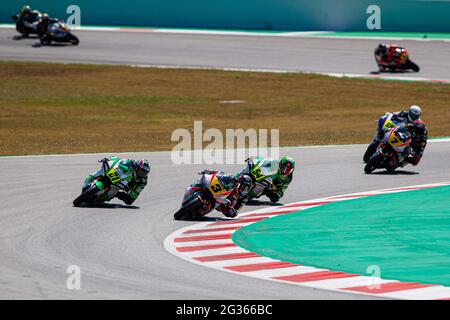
414	113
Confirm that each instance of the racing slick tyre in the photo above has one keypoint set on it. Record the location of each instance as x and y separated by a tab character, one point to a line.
413	66
370	151
373	163
187	211
74	40
85	196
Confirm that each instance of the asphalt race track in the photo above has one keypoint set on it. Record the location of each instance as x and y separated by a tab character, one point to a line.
228	51
120	249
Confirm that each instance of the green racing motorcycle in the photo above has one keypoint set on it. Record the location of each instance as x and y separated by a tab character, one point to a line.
114	178
262	172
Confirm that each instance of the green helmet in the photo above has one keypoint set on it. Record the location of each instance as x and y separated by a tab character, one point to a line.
25	9
286	166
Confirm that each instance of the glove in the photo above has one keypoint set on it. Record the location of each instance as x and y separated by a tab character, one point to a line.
125	197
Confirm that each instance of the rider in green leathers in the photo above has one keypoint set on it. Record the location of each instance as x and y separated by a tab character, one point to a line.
280	177
130	173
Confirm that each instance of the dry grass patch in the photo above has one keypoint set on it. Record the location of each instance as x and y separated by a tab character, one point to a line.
56	108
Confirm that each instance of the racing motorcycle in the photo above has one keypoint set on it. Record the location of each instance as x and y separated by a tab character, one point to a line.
384	124
207	194
400	61
104	187
25	30
58	31
261	171
390	150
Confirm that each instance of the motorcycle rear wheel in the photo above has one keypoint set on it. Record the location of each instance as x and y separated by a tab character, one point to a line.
74	40
370	151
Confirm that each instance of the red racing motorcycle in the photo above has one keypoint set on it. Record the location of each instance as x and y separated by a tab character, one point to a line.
394	58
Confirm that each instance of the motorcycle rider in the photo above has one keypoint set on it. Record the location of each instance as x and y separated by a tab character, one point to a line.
29	17
282	179
279	181
42	27
239	186
405	117
139	175
419	136
387	53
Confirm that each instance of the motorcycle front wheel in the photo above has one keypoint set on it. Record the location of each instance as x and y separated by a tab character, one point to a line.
370	151
373	163
86	196
187	211
74	40
413	66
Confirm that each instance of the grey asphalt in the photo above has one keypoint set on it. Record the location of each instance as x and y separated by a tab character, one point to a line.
229	51
120	250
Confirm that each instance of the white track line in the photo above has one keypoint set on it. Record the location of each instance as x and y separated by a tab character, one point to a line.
306	276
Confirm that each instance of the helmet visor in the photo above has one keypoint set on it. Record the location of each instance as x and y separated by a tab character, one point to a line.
141	173
413	117
286	169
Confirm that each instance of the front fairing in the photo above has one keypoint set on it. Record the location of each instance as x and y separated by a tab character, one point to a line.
211	182
387	122
390	139
58	30
264	170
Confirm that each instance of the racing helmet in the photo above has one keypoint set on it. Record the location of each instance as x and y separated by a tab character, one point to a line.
142	168
25	9
286	166
382	48
419	130
414	113
45	17
228	181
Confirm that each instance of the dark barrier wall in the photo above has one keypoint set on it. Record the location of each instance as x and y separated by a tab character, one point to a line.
338	15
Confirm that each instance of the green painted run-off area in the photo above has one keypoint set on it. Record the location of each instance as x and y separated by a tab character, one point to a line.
406	234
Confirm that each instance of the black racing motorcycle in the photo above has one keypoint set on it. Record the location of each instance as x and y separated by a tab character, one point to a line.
30	27
58	31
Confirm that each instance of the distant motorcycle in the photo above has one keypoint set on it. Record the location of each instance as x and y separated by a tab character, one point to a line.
58	31
398	59
31	27
390	150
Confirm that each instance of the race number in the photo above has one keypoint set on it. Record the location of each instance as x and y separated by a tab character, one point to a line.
113	176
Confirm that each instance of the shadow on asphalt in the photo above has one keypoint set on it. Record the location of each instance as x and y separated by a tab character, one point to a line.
20	37
392	72
262	203
395	173
108	206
